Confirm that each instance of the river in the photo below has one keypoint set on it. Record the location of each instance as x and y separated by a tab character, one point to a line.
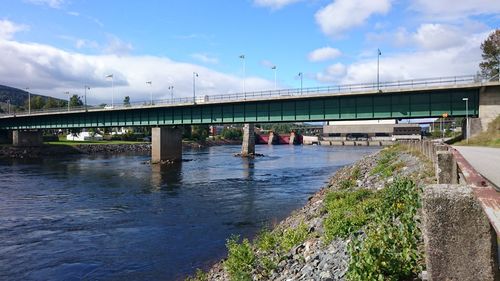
116	218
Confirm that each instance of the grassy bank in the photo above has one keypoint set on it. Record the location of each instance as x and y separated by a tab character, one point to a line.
380	225
73	143
490	137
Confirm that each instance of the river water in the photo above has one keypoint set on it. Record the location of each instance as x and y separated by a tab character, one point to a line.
115	218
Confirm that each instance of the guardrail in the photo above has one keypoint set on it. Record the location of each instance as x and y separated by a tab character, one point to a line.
282	93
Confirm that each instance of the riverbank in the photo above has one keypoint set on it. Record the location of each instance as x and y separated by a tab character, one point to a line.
55	149
369	211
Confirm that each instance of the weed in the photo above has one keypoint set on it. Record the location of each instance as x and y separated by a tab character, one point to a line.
198	276
240	259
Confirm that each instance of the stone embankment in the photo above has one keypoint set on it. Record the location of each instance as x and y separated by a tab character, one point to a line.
316	257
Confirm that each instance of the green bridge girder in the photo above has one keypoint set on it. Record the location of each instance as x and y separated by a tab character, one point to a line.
386	105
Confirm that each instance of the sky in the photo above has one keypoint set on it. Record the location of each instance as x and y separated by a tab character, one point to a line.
58	46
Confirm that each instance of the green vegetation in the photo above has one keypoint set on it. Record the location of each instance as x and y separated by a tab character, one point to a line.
232	133
491	137
198	276
390	250
491	54
269	247
240	260
387	163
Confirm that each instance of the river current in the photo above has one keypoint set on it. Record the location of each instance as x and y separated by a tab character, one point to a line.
116	218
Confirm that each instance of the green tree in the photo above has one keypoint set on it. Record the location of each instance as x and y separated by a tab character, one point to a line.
51	103
75	101
199	132
126	101
37	102
491	54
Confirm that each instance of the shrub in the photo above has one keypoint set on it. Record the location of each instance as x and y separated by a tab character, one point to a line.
240	260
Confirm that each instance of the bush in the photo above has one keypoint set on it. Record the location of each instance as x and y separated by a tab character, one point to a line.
240	259
232	134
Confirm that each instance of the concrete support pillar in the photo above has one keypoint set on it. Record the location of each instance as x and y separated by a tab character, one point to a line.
248	145
446	168
273	138
292	138
460	243
166	144
27	138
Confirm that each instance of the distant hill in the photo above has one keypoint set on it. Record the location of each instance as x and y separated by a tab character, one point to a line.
19	99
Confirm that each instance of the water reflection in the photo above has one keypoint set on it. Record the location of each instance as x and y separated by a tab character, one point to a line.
166	176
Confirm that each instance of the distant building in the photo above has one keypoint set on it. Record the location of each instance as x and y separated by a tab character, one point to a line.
370	130
84	136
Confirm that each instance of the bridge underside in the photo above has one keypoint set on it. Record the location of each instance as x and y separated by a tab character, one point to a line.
347	107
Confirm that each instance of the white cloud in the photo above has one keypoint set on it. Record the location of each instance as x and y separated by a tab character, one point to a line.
325	53
456	60
56	4
52	71
8	29
438	36
116	46
73	13
275	4
457	8
332	73
205	58
267	64
341	15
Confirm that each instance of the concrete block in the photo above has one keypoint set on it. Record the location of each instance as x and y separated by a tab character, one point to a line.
446	168
460	243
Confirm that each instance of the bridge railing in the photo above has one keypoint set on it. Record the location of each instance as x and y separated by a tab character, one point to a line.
281	93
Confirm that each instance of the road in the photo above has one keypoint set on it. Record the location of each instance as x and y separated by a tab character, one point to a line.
486	160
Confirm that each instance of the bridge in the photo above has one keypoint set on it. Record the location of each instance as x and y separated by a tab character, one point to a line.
406	99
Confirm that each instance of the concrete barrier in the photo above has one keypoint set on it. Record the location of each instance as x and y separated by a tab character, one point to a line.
460	243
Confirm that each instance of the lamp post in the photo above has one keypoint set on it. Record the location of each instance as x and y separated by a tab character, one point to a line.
112	89
242	57
300	75
150	83
171	88
29	99
275	70
85	96
8	106
194	86
467	134
379	53
67	93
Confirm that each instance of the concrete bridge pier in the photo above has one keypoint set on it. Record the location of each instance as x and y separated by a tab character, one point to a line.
27	138
166	144
248	144
273	138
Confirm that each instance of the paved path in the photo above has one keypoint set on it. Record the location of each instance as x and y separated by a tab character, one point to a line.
486	160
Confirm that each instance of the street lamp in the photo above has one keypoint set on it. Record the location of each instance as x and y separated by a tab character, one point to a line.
194	86
467	134
150	83
67	93
29	99
8	106
242	57
85	91
171	88
379	53
275	70
112	89
301	76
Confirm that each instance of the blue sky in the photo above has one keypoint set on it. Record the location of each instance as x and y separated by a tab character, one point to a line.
54	46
